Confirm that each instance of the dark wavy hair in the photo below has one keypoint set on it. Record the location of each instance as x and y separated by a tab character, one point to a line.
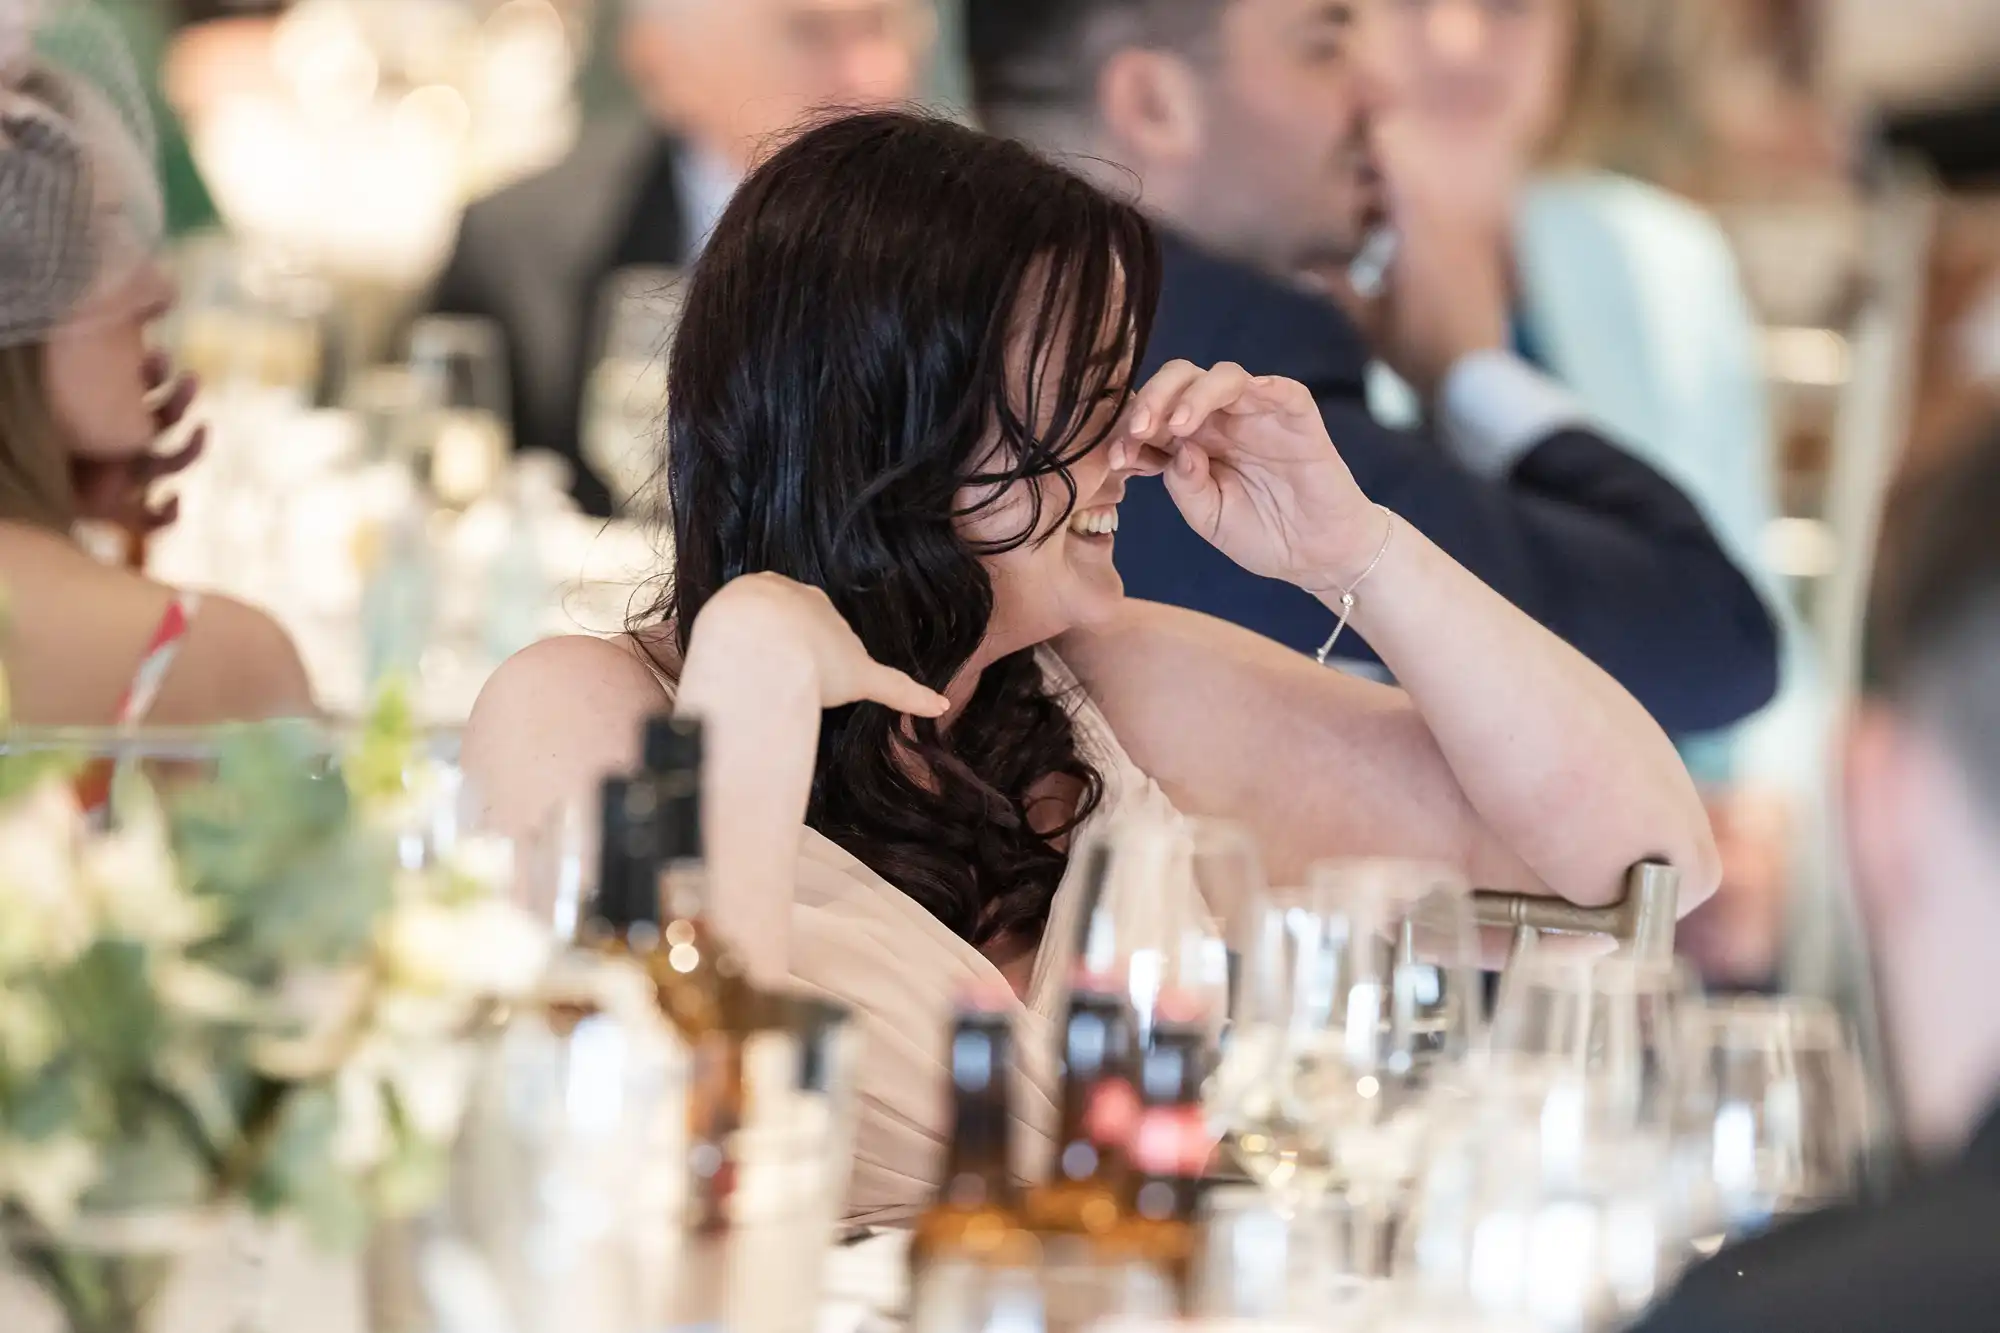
841	372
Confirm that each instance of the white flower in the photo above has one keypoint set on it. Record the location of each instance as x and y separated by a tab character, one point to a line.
431	1084
323	1010
487	949
202	992
486	862
131	877
29	1032
44	919
48	1178
361	1138
408	1015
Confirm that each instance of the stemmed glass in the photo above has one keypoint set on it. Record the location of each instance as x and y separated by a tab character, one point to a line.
1784	1118
1601	1040
459	368
1360	1004
1149	923
1564	1195
626	401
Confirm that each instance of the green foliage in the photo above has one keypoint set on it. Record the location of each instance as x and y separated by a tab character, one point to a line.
273	839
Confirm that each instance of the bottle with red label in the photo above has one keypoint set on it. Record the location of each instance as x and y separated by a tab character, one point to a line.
1088	1191
1169	1150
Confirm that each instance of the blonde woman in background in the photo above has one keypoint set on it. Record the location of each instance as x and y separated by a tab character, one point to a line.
83	403
1629	295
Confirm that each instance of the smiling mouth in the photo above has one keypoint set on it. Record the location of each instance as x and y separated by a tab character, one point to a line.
1099	524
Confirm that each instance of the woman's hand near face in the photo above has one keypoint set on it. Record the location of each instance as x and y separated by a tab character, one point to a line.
771	617
1251	467
118	491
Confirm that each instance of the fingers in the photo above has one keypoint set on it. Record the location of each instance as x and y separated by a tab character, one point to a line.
893	689
1155	402
162	516
152	467
1214	392
1191	486
1173	405
169	411
1183	399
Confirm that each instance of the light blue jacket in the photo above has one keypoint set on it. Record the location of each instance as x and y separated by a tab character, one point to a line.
1632	299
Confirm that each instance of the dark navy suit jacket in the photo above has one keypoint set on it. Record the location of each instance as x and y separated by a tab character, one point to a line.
1928	1261
1585	538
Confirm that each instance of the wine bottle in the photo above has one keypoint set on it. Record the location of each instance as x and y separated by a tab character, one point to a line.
1170	1150
701	984
704	987
1088	1191
976	1216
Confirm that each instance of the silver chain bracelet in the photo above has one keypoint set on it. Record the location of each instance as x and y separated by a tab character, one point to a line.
1347	596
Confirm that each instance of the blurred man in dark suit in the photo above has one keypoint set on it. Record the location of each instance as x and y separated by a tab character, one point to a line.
1262	137
720	81
1922	779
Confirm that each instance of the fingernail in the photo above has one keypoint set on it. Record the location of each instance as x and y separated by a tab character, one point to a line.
1181	418
1142	421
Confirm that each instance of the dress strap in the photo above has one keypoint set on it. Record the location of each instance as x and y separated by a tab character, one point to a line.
164	647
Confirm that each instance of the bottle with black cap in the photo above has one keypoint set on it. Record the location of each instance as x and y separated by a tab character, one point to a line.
704	988
976	1214
1088	1189
1170	1150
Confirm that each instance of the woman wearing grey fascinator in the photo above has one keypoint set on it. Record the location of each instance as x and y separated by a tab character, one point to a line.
85	401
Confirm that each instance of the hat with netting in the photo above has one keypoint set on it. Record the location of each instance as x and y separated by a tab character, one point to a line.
80	202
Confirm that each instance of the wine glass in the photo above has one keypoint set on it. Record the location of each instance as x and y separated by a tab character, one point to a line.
1287	1263
1504	1234
1785	1111
1596	1044
1563	1194
458	365
1361	1001
626	401
1147	923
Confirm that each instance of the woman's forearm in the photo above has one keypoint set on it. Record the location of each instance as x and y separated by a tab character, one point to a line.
1560	762
759	704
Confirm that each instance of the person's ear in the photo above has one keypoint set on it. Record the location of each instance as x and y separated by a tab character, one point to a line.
1883	809
1152	107
648	55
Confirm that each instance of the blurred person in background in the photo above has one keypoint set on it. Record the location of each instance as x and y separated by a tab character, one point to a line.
1922	809
1268	137
721	82
1630	297
83	403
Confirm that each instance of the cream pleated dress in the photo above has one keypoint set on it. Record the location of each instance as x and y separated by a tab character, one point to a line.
857	939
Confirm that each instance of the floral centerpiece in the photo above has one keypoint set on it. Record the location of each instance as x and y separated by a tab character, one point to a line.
245	992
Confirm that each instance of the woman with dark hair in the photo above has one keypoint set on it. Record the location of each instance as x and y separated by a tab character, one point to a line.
902	419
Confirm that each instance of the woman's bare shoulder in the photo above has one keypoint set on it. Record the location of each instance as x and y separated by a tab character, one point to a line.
555	719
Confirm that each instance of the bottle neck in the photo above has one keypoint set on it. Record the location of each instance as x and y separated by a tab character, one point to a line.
1098	1101
978	1165
977	1171
681	868
628	897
